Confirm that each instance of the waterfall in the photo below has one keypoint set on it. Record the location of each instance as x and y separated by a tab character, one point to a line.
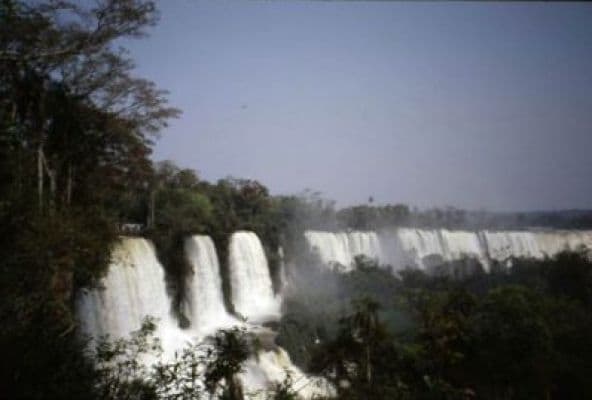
282	277
133	288
427	248
503	245
534	244
461	244
250	281
577	239
272	366
416	246
204	302
342	247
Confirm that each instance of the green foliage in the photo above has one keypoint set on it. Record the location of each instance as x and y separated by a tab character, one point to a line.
179	203
521	333
43	260
374	217
230	350
510	337
283	390
121	371
132	368
182	378
39	361
76	128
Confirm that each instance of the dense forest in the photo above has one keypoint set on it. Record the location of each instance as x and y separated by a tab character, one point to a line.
77	128
521	333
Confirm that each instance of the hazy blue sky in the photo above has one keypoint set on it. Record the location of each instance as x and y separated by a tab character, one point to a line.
475	105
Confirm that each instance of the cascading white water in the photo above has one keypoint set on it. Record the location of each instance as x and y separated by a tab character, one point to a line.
272	366
577	239
415	246
283	279
342	247
253	298
204	302
423	248
426	248
503	245
133	288
461	244
364	243
586	239
250	280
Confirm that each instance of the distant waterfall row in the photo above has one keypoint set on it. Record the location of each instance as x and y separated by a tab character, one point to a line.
423	248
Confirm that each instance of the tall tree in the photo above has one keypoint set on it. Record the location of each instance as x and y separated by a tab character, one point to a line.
76	129
70	94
